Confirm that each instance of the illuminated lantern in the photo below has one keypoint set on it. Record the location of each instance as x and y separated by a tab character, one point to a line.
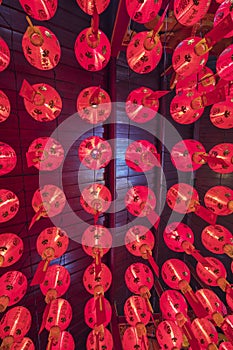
4	55
144	52
221	114
9	205
41	47
41	101
211	302
219	199
5	106
226	345
205	333
11	249
97	282
138	237
91	6
14	325
227	327
218	240
140	201
40	10
95	153
189	13
136	311
94	105
224	153
47	201
210	275
8	158
223	10
143	11
99	340
135	338
224	63
169	335
141	156
65	341
13	288
24	344
181	110
96	241
56	282
96	318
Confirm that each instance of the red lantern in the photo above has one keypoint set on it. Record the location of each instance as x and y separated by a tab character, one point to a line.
9	205
94	317
141	156
219	199
217	239
190	13
91	6
13	288
94	105
4	55
96	239
223	10
5	106
45	154
40	10
8	158
224	64
205	333
65	341
181	110
140	201
143	11
101	340
138	237
221	114
227	327
226	345
41	101
144	52
135	338
222	155
95	152
56	282
139	279
24	344
171	303
169	335
210	275
186	155
97	282
11	249
211	302
136	310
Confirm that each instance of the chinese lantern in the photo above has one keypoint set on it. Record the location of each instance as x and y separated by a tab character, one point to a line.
24	344
13	288
143	11
188	14
99	340
11	249
181	109
141	156
205	333
47	201
92	6
9	205
95	317
135	338
95	152
14	325
223	10
41	101
226	345
221	114
218	240
51	243
4	55
96	239
8	158
40	10
211	302
219	199
137	237
65	341
56	282
94	105
5	106
169	335
97	282
136	311
224	63
41	47
222	158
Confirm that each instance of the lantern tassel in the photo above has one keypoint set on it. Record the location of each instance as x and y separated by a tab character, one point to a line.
39	275
95	22
153	265
37	216
159	25
205	214
191	250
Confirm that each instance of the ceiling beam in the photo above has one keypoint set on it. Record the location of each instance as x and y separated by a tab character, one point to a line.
120	27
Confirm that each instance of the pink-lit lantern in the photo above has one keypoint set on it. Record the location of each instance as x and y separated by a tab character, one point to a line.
219	199
65	341
181	110
94	317
205	333
227	327
4	55
217	239
211	275
140	201
95	152
222	158
136	310
141	156
96	239
143	11
169	335
24	344
56	282
223	10
45	154
221	114
224	64
13	288
40	9
135	338
188	14
94	105
11	249
5	106
226	345
144	52
9	205
211	302
101	340
41	101
171	303
92	6
137	238
8	158
97	282
139	279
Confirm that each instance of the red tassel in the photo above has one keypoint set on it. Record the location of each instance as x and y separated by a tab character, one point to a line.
195	253
197	307
96	217
158	25
37	216
153	265
100	314
206	214
219	31
39	274
186	328
27	91
98	267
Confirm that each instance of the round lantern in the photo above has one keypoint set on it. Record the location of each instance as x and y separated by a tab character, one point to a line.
174	271
135	338
182	198
139	279
24	344
227	327
96	239
205	333
56	282
172	303
4	55
141	156
45	154
91	6
94	317
186	58
41	47
95	152
97	282
92	50
181	110
144	52
11	249
210	275
175	234
226	345
9	205
140	201
41	101
219	199
13	288
5	106
65	341
138	237
223	10
224	63
217	239
169	335
222	155
143	11
8	158
190	13
221	114
15	323
102	341
136	310
94	105
40	10
211	302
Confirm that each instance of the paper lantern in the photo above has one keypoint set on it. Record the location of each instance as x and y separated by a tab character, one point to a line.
169	335
41	101
221	114
144	52
222	155
217	239
224	64
140	201
11	249
136	310
96	239
103	341
40	10
219	199
135	338
181	110
13	288
95	152
139	279
141	156
223	10
91	6
171	303
8	158
210	275
189	13
92	50
4	55
97	282
65	341
138	237
94	317
143	11
227	327
24	344
205	333
5	106
9	205
47	201
56	282
211	302
226	345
